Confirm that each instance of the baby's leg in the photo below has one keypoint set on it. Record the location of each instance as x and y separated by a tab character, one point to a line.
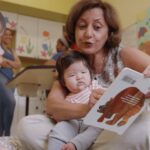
62	133
55	144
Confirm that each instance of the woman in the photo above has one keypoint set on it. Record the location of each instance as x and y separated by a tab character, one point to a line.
9	62
93	26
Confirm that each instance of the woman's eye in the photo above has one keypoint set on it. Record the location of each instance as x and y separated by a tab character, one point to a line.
82	26
97	27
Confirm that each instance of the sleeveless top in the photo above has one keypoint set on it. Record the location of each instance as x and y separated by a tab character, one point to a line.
7	72
112	67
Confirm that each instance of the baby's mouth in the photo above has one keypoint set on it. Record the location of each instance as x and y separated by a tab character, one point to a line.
80	83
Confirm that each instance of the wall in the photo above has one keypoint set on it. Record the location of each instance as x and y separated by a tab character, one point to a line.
49	9
58	9
58	6
129	9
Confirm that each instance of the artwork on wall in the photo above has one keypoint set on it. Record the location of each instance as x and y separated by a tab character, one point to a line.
138	34
26	43
48	32
35	38
11	20
144	32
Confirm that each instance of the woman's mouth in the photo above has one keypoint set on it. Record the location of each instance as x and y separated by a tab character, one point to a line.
88	44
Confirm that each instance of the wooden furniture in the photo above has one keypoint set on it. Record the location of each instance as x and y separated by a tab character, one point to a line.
31	79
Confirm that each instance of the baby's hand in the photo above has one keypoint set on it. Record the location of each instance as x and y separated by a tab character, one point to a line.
95	96
68	146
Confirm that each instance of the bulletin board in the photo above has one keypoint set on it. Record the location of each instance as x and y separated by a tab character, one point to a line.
35	37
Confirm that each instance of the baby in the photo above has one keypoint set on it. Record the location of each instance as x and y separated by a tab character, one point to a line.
74	74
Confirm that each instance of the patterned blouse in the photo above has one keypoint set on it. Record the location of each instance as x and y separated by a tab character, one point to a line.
111	69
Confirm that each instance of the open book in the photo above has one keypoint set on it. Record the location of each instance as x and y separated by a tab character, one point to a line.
121	104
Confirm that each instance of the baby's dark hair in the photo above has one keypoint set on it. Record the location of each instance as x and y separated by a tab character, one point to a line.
67	59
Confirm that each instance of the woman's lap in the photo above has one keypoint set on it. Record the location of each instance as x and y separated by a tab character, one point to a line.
34	130
136	137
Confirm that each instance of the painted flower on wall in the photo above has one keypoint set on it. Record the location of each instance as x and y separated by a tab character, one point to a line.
46	44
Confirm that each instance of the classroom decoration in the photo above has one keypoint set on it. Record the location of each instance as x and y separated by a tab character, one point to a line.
35	38
138	34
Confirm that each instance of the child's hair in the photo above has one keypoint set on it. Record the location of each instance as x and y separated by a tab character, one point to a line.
64	42
67	59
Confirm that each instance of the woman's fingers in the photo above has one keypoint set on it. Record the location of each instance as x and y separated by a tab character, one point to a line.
147	71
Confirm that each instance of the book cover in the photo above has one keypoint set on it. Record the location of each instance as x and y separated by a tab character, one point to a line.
122	102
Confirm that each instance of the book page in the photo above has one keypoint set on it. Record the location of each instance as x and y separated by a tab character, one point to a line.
121	104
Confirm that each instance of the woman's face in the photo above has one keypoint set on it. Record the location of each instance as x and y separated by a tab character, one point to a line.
7	37
91	31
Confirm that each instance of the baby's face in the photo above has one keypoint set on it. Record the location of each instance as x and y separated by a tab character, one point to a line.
77	77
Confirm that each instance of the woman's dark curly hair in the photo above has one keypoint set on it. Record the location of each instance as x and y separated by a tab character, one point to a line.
110	16
67	59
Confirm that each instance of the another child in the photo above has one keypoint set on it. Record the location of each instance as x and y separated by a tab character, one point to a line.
74	74
61	46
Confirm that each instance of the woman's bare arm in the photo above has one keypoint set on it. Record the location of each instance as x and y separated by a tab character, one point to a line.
135	59
60	109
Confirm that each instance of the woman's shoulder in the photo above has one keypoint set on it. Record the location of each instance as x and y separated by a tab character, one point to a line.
128	51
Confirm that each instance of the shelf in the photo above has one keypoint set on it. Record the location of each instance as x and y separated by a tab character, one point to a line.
27	61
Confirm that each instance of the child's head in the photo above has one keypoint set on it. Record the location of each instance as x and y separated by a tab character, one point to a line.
73	71
62	45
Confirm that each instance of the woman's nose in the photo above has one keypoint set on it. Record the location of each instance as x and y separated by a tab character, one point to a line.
88	32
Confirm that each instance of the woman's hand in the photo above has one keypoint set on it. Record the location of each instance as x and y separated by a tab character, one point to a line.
95	96
5	63
147	75
1	60
147	72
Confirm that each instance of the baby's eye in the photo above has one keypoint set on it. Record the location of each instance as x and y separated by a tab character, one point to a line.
71	75
84	72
